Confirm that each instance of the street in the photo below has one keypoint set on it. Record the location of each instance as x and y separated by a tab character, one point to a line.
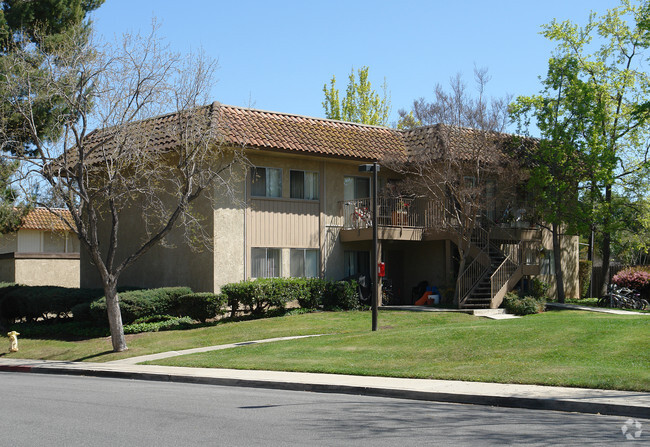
87	411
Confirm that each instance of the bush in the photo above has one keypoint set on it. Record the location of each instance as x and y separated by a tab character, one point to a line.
140	303
159	323
341	295
527	305
539	288
199	306
261	295
19	302
637	278
584	276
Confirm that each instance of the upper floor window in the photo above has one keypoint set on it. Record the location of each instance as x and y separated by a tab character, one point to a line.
356	188
266	182
304	185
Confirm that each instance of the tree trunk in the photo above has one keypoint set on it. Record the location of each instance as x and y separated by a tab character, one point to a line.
115	317
607	240
557	259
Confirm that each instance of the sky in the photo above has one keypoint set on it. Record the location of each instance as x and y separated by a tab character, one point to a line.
277	55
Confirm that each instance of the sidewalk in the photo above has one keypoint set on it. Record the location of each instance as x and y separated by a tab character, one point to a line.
620	403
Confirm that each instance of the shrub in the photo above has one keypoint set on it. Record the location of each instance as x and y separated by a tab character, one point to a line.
261	295
637	278
313	299
199	306
527	305
163	323
19	302
584	276
539	288
140	303
341	295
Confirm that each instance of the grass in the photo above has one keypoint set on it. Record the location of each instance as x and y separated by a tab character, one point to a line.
565	348
562	348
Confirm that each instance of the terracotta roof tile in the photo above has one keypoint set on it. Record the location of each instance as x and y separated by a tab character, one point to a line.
43	219
275	131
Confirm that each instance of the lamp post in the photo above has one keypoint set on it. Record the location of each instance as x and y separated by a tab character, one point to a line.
374	168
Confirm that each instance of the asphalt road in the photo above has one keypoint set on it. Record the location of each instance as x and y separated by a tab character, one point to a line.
87	411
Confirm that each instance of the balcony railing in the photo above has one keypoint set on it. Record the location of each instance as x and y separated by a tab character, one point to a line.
393	212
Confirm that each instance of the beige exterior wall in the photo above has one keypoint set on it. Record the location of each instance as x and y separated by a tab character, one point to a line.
174	264
570	256
228	236
47	272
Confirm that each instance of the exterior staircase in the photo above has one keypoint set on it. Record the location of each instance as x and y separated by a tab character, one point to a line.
495	270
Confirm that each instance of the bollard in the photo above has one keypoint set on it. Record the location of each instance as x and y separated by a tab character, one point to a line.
13	338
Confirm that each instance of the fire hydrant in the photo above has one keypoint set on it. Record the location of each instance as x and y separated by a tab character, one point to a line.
13	338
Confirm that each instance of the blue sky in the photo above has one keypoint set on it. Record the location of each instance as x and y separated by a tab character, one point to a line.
276	55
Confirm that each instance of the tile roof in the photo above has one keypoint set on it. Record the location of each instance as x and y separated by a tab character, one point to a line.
43	219
276	131
466	143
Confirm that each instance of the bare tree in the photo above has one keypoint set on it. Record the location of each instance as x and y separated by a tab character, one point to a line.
136	157
459	158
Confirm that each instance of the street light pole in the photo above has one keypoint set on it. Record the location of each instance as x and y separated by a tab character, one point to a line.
375	241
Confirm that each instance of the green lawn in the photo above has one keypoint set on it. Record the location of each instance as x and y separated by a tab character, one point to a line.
554	348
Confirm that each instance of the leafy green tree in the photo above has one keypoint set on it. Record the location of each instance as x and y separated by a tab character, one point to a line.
608	82
361	103
558	164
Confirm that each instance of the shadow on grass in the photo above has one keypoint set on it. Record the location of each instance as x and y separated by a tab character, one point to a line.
88	357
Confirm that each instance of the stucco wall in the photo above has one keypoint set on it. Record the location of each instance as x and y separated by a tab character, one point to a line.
46	272
570	256
228	235
175	264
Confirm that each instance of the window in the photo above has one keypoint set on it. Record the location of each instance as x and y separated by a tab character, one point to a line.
357	263
266	262
356	188
304	263
304	185
266	182
547	266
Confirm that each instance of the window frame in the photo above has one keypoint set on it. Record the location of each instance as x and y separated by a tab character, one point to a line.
304	251
267	169
275	250
304	184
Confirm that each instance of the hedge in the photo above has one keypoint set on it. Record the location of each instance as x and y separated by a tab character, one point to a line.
637	278
19	302
140	303
199	306
261	295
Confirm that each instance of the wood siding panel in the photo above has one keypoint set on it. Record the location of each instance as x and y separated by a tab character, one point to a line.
283	223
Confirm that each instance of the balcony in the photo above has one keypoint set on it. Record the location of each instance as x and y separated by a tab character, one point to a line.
402	218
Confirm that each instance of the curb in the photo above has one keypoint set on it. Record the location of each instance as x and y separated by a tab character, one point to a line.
533	403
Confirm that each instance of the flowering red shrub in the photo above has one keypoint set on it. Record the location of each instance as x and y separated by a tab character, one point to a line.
637	278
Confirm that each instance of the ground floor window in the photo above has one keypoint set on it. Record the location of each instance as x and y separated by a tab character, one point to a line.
266	262
304	263
357	263
547	266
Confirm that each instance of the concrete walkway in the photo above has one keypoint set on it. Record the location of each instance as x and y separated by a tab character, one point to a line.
622	403
595	309
164	355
